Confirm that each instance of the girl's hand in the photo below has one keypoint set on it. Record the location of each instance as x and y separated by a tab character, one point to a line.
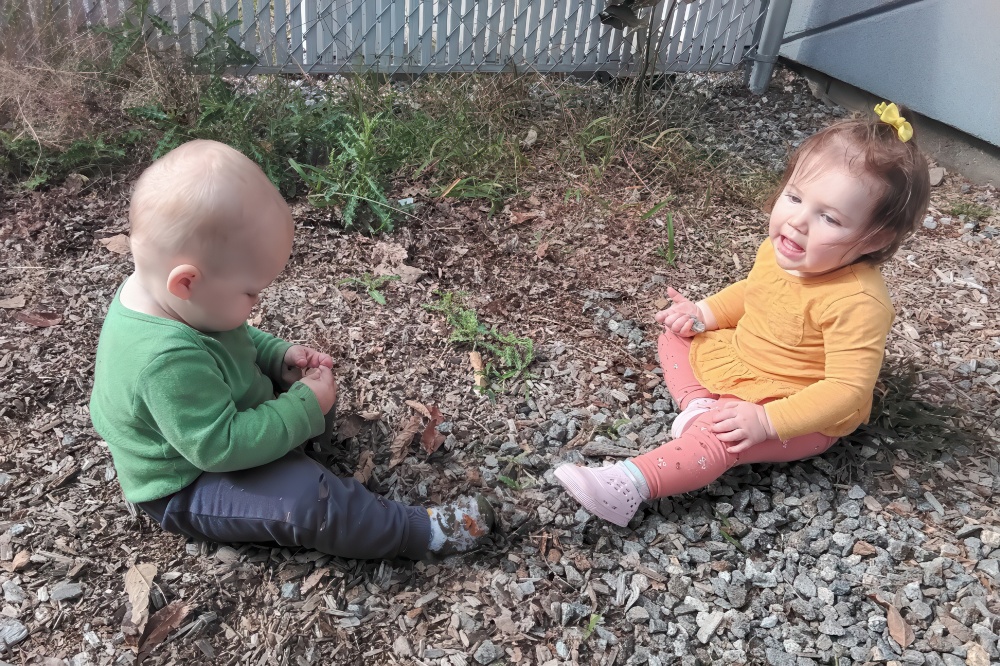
741	425
681	317
298	359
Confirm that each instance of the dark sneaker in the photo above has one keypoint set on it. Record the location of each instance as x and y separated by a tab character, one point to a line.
460	526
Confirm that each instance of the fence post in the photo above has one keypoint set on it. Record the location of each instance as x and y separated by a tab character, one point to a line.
766	53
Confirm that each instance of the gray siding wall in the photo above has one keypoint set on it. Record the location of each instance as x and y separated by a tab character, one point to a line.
939	57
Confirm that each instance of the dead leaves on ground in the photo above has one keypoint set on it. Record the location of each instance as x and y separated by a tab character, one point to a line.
143	632
899	629
138	584
353	424
161	624
366	465
39	319
390	262
401	442
118	244
430	439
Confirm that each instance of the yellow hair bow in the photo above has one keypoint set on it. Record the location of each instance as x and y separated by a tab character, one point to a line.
889	113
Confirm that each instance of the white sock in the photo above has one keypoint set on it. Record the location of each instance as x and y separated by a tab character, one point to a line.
637	478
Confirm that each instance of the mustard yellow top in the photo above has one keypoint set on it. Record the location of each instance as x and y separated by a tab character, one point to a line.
813	345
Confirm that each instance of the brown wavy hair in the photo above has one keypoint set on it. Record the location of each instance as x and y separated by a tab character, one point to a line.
898	167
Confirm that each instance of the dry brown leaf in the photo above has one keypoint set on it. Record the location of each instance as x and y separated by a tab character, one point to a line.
366	465
661	304
431	440
521	218
12	303
388	253
420	407
160	625
401	442
476	360
350	426
542	249
138	583
864	549
370	416
408	274
39	319
901	472
898	627
118	244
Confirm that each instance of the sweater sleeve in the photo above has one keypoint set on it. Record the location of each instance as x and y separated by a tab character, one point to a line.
854	334
728	304
270	352
187	400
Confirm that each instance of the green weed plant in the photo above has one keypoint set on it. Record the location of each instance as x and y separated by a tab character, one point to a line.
509	356
371	284
971	210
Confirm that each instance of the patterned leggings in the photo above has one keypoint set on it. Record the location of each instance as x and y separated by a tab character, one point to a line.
697	457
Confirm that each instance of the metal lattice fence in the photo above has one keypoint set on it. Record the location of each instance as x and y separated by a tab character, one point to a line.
438	36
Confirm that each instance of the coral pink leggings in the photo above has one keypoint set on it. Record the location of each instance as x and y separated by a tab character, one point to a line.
697	457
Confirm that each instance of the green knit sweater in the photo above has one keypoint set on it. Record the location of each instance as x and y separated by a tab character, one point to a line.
173	402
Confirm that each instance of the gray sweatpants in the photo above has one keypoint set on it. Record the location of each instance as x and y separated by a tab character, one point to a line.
296	502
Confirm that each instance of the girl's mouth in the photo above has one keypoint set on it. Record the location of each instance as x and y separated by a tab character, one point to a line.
789	247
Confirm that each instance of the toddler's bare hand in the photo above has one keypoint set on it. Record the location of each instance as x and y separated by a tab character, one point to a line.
683	317
740	425
298	359
321	382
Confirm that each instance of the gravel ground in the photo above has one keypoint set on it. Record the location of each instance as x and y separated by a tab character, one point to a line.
860	556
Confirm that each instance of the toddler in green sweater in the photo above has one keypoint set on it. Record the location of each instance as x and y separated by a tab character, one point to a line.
184	388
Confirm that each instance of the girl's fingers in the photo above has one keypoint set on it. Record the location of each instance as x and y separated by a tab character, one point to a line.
675	296
732	437
741	447
721	414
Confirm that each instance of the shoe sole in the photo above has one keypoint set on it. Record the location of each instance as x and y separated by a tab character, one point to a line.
580	496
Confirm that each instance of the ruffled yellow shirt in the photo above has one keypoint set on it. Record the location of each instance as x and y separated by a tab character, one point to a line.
812	345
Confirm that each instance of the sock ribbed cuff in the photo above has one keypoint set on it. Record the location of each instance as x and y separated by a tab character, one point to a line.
637	478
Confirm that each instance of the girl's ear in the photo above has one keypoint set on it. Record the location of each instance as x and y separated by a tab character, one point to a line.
182	280
877	242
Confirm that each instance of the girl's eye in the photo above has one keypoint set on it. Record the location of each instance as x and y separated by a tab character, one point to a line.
832	221
793	198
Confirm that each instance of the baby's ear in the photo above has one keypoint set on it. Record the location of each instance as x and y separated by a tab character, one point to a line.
182	279
879	241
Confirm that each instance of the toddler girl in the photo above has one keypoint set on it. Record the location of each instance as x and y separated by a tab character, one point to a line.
777	366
